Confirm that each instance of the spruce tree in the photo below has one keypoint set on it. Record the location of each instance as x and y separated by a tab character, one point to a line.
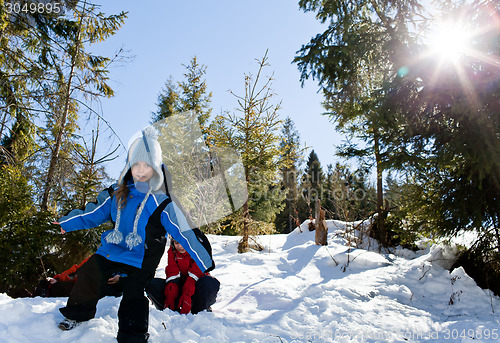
76	73
449	131
354	60
23	64
184	152
347	195
194	96
84	182
168	101
46	78
15	195
290	158
312	182
190	94
254	134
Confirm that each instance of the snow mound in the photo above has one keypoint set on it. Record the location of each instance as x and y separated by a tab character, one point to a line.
296	291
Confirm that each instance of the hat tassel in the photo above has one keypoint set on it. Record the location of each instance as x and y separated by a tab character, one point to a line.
114	237
134	239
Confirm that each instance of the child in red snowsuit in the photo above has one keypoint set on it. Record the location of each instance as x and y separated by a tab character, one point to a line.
61	284
186	289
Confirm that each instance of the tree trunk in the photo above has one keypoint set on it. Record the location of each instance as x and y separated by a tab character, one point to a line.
497	232
57	147
381	233
321	228
60	129
243	244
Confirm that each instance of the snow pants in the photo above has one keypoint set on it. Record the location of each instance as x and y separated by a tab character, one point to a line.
91	285
205	293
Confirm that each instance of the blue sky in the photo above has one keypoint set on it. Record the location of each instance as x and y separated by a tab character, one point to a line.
227	37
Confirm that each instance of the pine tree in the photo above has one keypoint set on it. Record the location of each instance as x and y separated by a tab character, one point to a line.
168	101
347	195
46	76
89	175
354	60
15	195
87	178
312	182
45	72
185	152
290	158
76	71
194	95
254	135
22	67
448	119
187	95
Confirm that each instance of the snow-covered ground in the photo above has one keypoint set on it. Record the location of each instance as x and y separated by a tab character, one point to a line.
296	291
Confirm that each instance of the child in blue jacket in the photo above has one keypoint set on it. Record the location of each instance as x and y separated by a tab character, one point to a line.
143	215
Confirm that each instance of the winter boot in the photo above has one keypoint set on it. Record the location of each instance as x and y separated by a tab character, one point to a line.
68	324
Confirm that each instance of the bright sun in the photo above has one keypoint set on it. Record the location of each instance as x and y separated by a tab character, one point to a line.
449	40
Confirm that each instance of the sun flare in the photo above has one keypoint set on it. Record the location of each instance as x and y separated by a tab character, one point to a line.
450	40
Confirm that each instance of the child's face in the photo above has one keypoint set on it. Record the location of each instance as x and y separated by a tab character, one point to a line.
179	247
141	171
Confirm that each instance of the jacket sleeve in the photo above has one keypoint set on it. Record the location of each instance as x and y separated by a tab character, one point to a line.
66	275
94	214
70	274
192	239
194	271
172	269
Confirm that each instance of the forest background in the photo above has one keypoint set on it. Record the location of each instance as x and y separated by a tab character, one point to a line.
425	122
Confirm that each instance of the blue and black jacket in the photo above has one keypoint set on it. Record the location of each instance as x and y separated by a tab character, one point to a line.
160	216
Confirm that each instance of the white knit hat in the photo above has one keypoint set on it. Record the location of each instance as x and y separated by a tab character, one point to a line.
145	149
